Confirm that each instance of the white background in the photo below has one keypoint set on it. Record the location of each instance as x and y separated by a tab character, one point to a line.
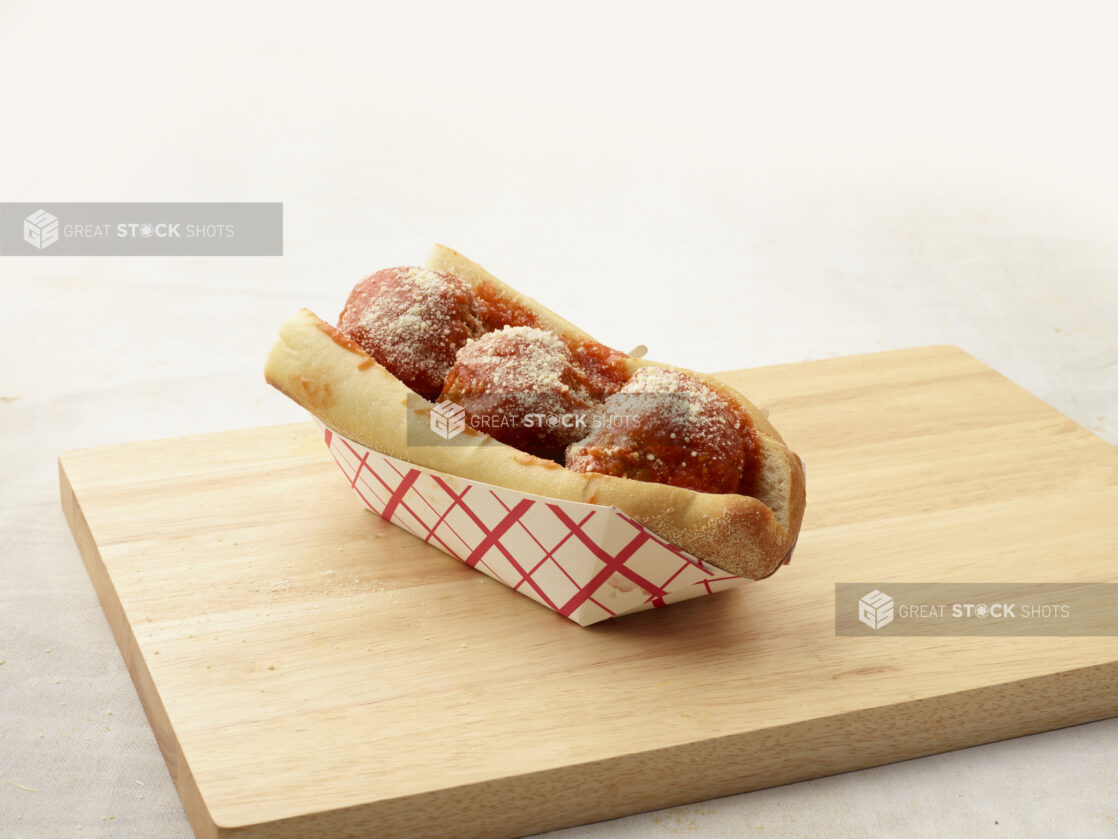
732	185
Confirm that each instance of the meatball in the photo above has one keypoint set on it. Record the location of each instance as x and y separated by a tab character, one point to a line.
522	385
412	321
667	427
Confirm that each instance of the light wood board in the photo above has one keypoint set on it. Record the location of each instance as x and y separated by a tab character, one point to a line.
309	669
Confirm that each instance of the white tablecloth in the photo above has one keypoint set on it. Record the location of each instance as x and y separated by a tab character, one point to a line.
730	188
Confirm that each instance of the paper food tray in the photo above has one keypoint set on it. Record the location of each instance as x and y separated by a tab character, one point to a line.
588	562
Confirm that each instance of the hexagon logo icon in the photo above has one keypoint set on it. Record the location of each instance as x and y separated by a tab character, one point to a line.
40	229
448	419
875	610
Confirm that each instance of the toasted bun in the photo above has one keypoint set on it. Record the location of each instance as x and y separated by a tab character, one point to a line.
334	379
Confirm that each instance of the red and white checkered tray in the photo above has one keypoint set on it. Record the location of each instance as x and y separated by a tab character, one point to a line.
588	562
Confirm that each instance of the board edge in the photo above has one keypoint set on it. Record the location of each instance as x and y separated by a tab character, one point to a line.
190	795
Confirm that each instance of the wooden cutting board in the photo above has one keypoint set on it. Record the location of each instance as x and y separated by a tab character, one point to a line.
310	670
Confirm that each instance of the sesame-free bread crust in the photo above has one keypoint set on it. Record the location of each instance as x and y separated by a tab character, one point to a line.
333	378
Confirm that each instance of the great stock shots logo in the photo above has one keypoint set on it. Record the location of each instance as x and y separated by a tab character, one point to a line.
448	420
40	229
50	229
497	415
875	610
958	609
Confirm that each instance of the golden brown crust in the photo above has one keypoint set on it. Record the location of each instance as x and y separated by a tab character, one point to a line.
339	383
